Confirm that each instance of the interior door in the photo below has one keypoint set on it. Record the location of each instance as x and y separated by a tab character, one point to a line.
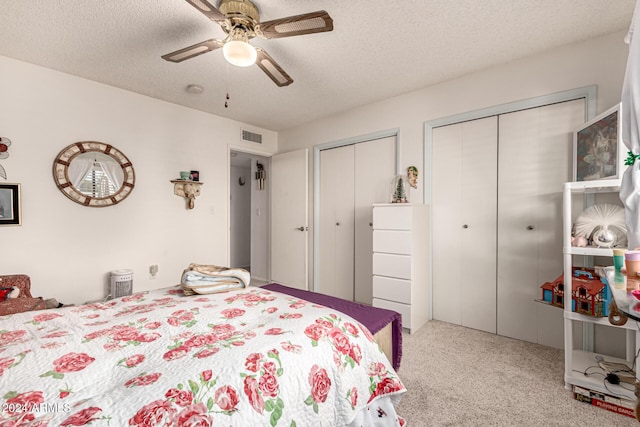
337	222
535	161
289	218
446	230
375	167
464	223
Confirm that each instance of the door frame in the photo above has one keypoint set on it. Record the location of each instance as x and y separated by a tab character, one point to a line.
260	153
316	186
587	92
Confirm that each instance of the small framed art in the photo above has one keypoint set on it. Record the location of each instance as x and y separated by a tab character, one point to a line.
10	209
598	152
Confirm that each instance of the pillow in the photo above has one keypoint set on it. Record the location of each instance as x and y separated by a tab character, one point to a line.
4	293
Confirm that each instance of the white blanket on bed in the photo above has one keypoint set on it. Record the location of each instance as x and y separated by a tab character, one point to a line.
208	279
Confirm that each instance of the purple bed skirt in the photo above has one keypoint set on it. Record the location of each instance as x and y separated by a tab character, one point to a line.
373	318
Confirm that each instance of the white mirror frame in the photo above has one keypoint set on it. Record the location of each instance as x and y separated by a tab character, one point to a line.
61	173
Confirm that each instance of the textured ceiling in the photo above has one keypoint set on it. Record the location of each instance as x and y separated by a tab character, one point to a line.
378	49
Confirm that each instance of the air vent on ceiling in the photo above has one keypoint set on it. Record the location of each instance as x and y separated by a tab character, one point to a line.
251	136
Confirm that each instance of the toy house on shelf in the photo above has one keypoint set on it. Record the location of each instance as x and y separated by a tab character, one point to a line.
590	294
553	292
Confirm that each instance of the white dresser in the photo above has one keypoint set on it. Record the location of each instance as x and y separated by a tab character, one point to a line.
401	261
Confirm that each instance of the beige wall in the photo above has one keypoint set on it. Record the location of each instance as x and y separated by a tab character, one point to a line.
600	61
68	249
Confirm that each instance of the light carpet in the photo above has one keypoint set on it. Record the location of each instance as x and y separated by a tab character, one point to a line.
458	376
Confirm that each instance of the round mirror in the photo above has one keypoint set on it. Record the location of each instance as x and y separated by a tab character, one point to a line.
93	174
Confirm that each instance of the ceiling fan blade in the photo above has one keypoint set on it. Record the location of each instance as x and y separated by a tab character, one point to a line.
308	23
208	10
272	69
191	51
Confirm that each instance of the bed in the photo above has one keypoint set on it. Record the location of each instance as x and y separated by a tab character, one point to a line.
248	357
385	325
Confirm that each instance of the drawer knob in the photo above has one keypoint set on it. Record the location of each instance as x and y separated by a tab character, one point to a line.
337	223
465	226
530	227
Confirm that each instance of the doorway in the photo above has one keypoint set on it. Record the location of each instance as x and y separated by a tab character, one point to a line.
248	215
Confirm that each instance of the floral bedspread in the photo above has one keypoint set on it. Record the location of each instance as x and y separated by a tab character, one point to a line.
249	357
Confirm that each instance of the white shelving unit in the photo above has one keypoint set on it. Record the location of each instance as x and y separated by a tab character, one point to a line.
578	360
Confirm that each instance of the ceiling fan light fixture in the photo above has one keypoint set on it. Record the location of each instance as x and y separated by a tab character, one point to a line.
240	20
239	53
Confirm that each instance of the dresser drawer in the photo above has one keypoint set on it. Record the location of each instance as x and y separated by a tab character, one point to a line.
392	289
392	241
392	217
392	265
403	309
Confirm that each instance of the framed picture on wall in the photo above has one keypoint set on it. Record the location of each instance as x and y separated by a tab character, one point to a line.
10	210
598	152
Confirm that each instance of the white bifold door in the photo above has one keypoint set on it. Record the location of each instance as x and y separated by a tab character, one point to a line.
535	159
352	178
497	219
464	208
337	241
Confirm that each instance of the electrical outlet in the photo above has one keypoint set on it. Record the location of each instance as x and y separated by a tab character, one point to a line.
153	270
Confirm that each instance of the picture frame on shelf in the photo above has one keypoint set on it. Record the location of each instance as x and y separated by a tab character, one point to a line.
598	152
10	207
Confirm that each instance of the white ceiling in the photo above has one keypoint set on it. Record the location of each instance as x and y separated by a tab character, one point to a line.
377	50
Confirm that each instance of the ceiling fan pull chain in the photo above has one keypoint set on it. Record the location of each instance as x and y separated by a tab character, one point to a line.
226	84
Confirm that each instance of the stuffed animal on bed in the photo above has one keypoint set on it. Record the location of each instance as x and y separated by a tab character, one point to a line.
9	293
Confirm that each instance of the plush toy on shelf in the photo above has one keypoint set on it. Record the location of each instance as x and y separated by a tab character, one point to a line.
579	241
602	225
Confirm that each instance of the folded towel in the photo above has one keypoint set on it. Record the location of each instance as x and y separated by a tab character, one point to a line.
209	279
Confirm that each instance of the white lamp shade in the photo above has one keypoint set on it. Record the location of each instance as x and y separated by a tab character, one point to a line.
239	53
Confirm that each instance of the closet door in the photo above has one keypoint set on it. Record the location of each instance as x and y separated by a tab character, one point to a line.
534	162
337	222
446	205
464	223
375	164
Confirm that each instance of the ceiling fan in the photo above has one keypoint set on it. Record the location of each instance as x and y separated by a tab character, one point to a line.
240	19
